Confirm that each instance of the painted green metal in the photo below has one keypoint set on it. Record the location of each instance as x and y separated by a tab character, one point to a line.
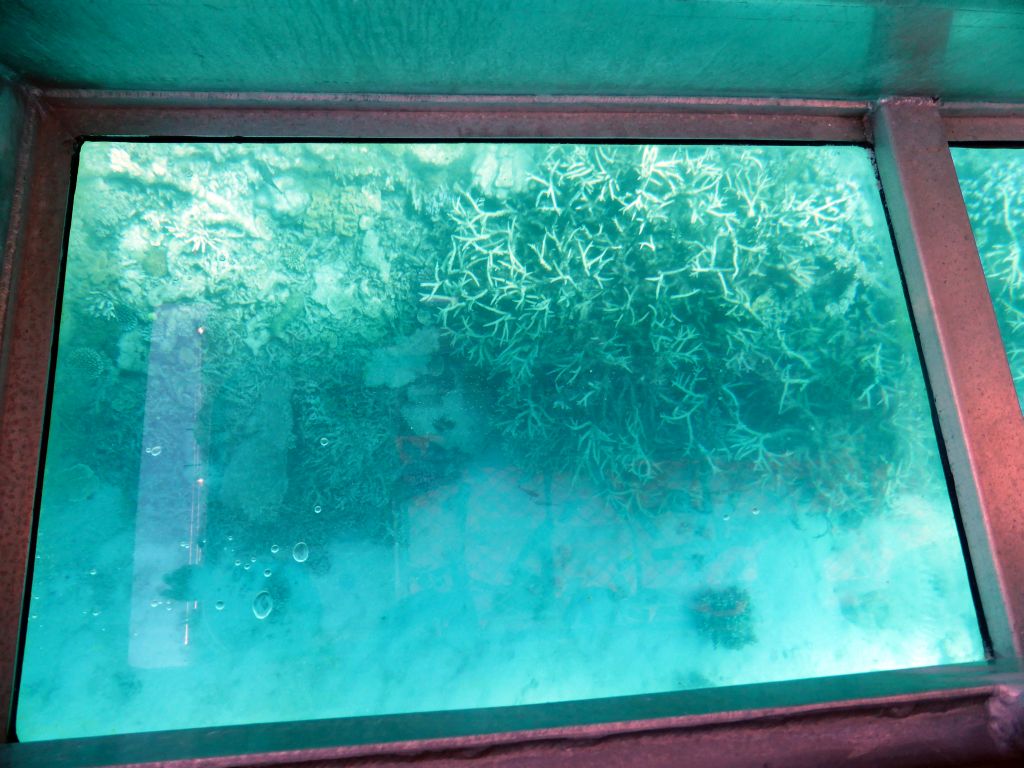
841	49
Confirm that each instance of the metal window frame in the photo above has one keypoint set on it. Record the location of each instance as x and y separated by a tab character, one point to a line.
956	715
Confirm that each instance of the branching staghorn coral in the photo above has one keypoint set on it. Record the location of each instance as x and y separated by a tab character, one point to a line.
648	314
648	318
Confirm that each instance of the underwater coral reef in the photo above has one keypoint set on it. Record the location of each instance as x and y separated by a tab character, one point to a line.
639	318
394	418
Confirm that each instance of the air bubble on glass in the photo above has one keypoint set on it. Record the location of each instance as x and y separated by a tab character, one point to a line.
262	605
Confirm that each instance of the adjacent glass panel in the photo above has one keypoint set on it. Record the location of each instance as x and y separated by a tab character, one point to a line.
347	429
992	182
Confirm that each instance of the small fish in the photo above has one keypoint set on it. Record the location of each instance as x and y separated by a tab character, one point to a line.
529	492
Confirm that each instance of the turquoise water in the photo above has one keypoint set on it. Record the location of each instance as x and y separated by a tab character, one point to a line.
992	182
348	429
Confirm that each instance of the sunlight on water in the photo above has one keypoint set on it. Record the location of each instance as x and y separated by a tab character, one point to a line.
348	429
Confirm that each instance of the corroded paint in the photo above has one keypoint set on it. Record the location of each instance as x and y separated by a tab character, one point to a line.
10	130
26	344
973	389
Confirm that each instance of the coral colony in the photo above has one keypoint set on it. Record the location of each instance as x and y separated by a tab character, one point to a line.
650	317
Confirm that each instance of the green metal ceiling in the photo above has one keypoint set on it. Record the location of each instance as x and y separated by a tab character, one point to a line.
848	49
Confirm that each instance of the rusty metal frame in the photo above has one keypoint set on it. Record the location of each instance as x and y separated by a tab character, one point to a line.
963	350
982	122
964	714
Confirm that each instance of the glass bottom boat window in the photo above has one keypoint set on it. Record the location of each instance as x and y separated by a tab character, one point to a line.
349	429
992	182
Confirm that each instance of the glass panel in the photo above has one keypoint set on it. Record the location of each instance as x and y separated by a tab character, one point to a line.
992	182
346	429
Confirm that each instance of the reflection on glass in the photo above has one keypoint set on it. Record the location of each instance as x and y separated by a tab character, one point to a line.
345	429
992	182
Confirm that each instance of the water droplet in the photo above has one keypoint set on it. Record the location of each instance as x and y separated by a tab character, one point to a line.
262	605
300	552
231	538
220	605
252	559
725	517
95	611
92	571
238	562
317	509
274	548
267	573
154	451
755	511
324	441
154	603
247	566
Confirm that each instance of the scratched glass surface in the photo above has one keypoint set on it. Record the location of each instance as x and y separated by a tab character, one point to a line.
992	182
348	429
